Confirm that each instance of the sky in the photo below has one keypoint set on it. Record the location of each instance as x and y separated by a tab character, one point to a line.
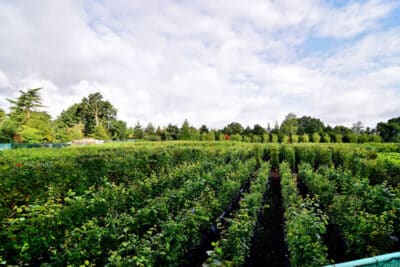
211	62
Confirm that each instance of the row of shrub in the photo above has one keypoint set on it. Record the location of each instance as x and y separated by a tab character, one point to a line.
305	224
367	215
27	175
304	138
377	167
234	245
122	224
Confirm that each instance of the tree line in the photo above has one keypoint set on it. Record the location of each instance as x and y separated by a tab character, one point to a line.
96	117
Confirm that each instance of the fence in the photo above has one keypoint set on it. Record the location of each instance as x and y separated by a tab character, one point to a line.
386	260
5	146
46	145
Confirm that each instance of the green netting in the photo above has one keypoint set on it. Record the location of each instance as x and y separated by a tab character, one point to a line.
386	260
48	145
5	146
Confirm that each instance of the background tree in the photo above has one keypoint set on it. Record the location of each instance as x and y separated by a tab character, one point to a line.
2	115
138	131
8	129
118	129
340	129
203	129
172	132
210	136
29	124
233	128
75	132
27	102
185	132
357	128
390	131
194	134
258	130
100	132
94	110
70	116
309	125
268	128
289	125
248	131
150	129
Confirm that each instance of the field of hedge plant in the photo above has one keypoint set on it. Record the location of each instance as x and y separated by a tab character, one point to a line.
155	204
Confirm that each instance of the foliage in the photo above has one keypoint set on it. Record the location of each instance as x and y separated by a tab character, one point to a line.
309	125
289	125
390	131
274	138
256	139
288	155
92	112
266	138
25	104
305	223
365	214
100	132
101	204
338	138
185	133
304	138
274	157
234	246
316	138
208	136
258	130
233	128
326	138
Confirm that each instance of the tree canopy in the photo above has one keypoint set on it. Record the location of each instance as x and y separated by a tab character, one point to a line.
96	117
26	103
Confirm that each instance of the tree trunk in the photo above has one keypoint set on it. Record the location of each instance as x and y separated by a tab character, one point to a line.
96	116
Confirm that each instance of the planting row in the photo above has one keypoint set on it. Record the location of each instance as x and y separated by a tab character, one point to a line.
28	178
150	222
367	215
305	224
234	246
367	162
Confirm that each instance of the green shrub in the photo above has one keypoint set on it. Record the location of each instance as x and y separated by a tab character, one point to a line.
326	138
351	138
236	137
339	138
288	155
274	157
323	156
305	223
274	138
266	138
316	138
256	139
304	138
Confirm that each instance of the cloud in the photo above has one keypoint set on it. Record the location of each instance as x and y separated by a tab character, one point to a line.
354	19
210	62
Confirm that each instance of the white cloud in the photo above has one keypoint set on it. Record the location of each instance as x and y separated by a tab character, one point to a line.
354	18
211	62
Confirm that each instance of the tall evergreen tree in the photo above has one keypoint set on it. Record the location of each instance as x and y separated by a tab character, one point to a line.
26	103
185	133
138	132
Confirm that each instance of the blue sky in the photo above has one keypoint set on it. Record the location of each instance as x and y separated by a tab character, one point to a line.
212	62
